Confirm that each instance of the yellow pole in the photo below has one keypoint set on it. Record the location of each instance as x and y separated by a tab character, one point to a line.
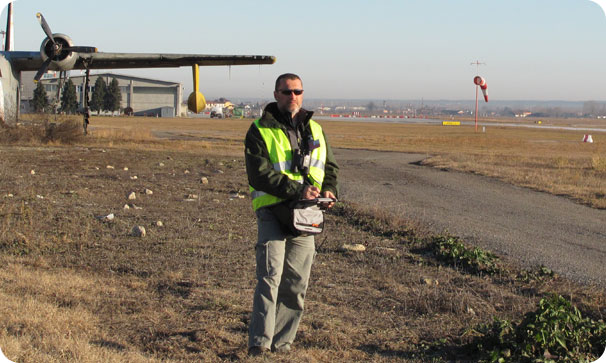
196	74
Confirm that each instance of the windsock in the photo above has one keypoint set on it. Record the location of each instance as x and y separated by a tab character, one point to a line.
479	81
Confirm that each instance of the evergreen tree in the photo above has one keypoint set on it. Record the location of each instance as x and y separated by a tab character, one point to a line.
69	101
40	98
113	97
96	100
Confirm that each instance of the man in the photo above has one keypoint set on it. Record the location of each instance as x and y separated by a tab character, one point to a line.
275	149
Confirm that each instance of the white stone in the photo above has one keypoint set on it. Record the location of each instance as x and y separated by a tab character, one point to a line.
32	172
186	171
160	164
126	206
148	191
159	224
110	167
134	177
125	168
107	218
204	180
132	196
354	248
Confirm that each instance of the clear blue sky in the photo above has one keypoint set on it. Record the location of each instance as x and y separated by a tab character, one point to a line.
397	49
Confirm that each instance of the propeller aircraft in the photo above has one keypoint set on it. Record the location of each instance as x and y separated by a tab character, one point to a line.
58	53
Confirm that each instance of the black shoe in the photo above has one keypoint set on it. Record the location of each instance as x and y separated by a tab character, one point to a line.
257	351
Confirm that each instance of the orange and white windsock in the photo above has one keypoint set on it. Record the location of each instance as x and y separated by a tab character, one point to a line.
479	81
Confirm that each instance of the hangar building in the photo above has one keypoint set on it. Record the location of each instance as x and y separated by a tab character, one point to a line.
145	96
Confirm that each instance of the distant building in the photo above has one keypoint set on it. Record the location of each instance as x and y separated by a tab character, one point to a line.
144	96
524	114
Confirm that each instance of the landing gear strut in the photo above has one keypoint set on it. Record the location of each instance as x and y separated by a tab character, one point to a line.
86	108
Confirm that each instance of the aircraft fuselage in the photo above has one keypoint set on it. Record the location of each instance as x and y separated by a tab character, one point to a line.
10	95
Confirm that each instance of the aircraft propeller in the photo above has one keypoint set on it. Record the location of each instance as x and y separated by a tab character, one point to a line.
56	49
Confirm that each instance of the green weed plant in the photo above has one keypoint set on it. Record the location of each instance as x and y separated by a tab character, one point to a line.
556	331
452	250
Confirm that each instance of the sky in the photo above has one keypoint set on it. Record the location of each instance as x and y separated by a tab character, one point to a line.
355	49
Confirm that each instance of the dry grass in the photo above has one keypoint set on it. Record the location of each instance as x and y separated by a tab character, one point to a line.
45	316
555	161
78	289
40	129
122	135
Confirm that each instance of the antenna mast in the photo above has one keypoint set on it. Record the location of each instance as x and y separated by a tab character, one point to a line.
478	63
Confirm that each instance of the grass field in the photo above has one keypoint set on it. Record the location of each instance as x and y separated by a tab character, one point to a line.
78	288
555	161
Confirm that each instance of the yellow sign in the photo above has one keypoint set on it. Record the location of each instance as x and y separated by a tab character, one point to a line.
451	123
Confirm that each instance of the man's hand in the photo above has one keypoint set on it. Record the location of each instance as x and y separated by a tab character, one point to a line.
310	192
328	194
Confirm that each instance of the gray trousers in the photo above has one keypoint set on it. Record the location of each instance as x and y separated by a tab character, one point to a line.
283	268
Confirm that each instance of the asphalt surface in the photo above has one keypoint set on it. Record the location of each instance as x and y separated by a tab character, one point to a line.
530	227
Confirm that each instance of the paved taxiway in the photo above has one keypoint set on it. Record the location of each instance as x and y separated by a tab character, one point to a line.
531	227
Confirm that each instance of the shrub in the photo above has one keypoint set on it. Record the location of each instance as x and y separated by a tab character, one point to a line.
555	331
64	132
451	250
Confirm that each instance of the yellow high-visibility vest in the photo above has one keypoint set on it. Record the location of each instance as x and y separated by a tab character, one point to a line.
280	155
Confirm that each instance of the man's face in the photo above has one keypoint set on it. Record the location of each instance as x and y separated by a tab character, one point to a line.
289	102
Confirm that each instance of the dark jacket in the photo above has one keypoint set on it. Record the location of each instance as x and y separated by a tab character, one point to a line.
261	174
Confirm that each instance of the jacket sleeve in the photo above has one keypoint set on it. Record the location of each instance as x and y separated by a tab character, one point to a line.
261	173
331	171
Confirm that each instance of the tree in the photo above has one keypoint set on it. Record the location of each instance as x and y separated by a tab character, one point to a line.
113	97
69	101
96	100
40	98
589	107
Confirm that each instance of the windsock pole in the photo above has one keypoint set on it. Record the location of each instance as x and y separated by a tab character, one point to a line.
480	83
477	81
477	107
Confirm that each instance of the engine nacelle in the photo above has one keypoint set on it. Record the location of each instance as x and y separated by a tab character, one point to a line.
63	60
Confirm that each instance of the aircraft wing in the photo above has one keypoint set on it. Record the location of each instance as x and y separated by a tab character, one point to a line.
32	61
150	60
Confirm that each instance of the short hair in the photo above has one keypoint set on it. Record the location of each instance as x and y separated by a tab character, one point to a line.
290	76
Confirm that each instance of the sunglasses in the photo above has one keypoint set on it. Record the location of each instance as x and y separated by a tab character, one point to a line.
287	92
